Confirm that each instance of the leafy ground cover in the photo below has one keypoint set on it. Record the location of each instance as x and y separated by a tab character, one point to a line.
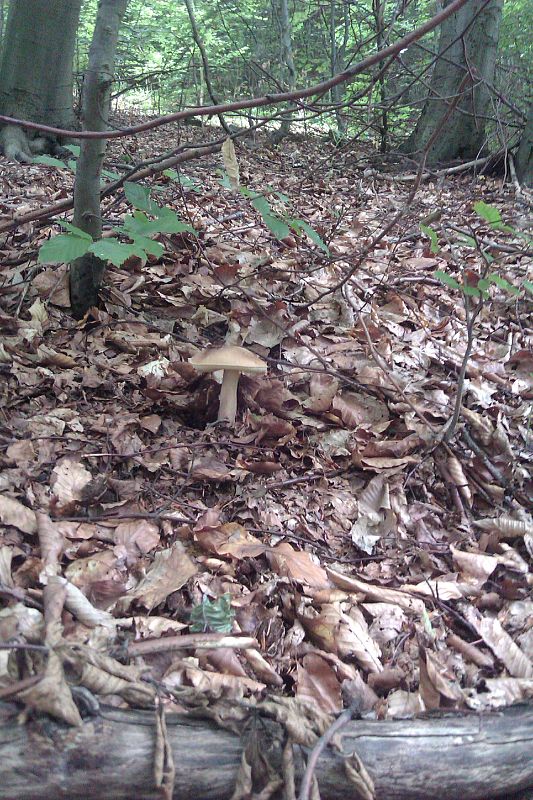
331	544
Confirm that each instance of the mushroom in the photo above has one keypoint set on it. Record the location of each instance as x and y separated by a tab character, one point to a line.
233	360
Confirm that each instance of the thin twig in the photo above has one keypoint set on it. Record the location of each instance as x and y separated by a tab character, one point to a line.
321	745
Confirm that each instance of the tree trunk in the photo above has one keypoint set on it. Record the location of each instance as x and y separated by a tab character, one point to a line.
288	68
337	59
36	70
524	156
86	272
191	11
110	757
468	40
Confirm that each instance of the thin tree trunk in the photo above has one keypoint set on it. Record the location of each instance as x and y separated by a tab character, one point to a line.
205	62
337	56
378	10
468	41
524	156
289	69
111	756
86	272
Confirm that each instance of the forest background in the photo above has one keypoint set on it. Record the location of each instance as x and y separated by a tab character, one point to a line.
359	536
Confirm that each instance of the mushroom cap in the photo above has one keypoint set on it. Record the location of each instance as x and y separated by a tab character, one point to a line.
228	357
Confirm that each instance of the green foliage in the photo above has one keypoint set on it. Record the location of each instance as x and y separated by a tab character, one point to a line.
433	238
216	616
492	216
160	66
138	227
280	225
49	161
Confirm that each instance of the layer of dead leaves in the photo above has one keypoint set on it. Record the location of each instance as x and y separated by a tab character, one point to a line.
363	558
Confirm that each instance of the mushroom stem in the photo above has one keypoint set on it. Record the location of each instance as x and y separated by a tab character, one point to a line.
227	408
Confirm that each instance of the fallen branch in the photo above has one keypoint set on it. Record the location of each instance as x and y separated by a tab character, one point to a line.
109	757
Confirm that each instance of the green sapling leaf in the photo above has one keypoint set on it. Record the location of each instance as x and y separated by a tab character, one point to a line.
112	250
63	248
432	236
443	277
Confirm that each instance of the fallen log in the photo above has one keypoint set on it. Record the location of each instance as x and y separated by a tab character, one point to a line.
110	756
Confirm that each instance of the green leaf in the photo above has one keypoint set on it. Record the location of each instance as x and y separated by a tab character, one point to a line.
528	286
170	222
301	224
276	226
443	277
72	165
432	236
183	180
139	197
49	161
502	283
113	176
148	246
112	250
74	149
471	291
492	216
487	212
224	180
467	240
261	205
63	248
68	226
216	615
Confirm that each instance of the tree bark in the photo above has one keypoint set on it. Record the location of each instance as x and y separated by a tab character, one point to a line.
468	39
36	69
110	757
288	66
524	156
86	272
337	59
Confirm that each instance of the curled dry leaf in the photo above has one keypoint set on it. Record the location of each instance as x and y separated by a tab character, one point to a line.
230	539
501	644
18	620
231	164
508	527
297	565
459	478
170	570
346	635
317	683
445	590
217	683
68	482
52	694
437	683
376	593
85	571
6	557
262	668
83	610
52	542
481	425
13	512
498	692
135	538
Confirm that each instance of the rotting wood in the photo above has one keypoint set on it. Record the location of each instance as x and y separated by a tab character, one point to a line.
463	756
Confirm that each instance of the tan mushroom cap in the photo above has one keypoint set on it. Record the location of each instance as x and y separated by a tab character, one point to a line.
229	357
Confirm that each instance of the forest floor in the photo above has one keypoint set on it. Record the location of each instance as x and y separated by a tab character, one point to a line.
363	556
